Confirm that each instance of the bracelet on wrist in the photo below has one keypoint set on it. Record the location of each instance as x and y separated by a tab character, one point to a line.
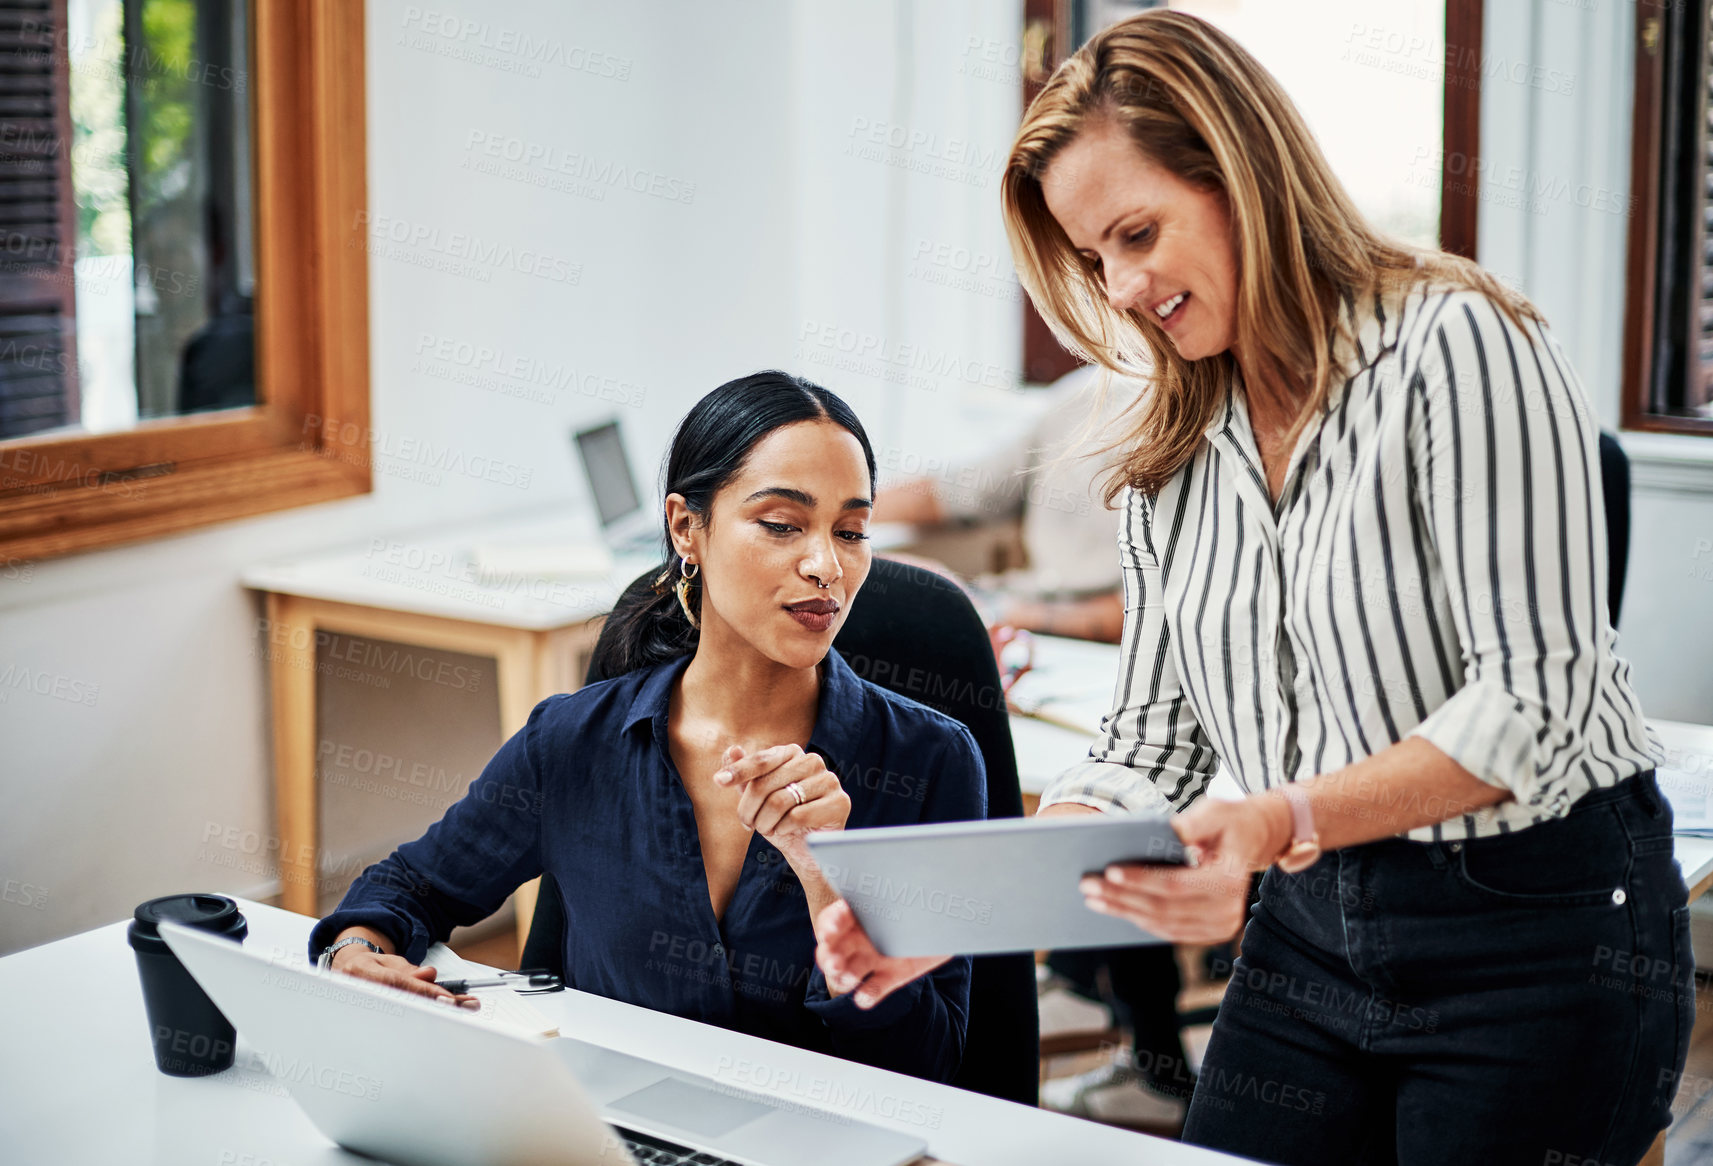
332	950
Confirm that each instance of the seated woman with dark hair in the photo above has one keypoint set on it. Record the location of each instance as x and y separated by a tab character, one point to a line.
671	802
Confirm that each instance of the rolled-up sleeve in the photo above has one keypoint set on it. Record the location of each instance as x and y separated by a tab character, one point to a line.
1152	754
1505	468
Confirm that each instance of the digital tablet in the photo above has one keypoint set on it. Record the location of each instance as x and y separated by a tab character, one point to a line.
974	888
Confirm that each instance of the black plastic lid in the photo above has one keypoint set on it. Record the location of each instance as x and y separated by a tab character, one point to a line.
214	913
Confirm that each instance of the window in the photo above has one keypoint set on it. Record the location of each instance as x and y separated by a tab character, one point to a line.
183	280
1668	319
1415	61
38	355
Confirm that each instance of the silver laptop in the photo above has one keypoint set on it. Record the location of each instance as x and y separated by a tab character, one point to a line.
396	1076
627	525
978	888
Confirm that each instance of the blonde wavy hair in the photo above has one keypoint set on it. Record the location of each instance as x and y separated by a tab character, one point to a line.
1198	105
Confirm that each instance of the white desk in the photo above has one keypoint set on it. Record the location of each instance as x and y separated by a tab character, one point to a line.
78	1082
1068	691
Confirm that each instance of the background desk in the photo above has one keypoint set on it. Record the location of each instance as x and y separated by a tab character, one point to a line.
427	593
1069	689
78	1081
424	593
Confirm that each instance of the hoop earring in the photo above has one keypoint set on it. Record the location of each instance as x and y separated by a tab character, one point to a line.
682	587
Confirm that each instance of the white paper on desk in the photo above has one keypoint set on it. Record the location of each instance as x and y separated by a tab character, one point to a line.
1078	708
499	562
1691	798
502	1006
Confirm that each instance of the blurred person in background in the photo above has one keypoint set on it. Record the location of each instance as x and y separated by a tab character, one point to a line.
1071	585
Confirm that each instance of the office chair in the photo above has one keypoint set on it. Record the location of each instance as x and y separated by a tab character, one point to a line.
1615	492
911	626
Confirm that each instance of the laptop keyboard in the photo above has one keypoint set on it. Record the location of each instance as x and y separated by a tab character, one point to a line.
660	1152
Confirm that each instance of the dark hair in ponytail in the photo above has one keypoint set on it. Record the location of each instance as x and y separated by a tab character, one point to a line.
712	444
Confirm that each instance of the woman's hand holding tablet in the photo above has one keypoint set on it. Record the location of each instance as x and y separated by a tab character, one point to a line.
1200	903
848	958
1203	903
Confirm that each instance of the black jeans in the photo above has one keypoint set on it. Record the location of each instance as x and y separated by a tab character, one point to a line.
1524	999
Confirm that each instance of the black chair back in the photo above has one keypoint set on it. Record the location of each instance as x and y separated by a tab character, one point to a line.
917	634
1615	493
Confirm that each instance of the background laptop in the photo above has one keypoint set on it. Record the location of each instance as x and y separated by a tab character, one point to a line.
628	526
398	1077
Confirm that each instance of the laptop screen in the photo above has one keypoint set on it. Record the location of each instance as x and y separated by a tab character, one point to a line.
604	461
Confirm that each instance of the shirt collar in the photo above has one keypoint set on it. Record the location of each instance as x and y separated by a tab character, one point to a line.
1368	327
838	720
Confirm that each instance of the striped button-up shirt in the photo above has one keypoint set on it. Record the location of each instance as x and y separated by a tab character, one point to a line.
1435	567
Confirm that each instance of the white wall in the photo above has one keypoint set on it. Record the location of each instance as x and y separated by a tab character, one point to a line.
1554	218
115	800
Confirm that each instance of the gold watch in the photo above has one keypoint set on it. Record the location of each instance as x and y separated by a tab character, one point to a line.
1304	850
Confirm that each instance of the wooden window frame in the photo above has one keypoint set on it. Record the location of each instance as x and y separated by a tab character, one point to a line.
1642	275
308	439
1460	133
1048	30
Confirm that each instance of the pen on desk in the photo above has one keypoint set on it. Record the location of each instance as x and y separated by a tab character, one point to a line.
503	980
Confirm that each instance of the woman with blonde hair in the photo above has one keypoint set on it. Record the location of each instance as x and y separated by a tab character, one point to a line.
1365	569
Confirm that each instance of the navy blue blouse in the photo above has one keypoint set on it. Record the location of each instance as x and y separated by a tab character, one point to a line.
587	791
